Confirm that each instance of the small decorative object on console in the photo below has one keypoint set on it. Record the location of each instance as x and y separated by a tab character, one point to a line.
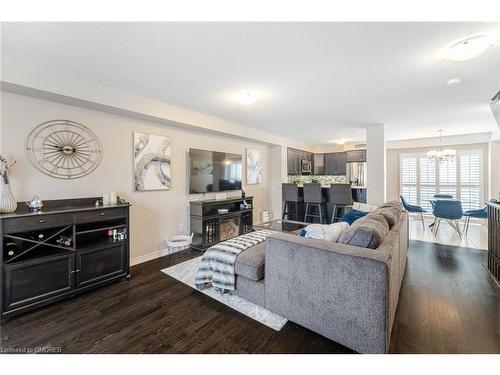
112	198
105	199
35	204
64	241
245	205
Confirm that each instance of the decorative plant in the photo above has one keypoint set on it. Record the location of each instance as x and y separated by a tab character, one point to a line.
6	166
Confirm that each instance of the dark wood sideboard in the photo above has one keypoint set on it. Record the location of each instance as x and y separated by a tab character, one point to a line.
211	227
61	251
494	239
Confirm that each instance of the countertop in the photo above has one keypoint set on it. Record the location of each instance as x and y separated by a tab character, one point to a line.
61	206
327	186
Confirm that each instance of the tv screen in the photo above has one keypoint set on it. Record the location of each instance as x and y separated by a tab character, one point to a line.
212	171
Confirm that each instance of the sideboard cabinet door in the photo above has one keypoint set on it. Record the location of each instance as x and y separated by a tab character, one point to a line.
26	283
97	264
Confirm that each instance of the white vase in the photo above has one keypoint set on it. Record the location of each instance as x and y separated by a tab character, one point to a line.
7	202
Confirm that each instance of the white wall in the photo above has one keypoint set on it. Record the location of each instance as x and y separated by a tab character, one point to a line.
495	169
375	165
154	214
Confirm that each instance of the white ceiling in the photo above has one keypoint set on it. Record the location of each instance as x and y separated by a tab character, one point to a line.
323	81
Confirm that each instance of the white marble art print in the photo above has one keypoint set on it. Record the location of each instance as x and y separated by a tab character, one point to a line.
254	166
152	162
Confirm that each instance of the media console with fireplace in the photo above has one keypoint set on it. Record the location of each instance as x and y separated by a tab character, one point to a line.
213	221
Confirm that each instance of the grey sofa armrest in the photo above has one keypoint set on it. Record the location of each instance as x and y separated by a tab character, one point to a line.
336	290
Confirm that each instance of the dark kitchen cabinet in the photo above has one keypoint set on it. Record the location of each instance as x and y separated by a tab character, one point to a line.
319	164
356	156
295	158
293	161
335	164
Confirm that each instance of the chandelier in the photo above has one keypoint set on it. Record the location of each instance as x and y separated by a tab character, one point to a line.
441	155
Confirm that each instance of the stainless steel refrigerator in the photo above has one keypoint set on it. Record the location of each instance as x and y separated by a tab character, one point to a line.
356	173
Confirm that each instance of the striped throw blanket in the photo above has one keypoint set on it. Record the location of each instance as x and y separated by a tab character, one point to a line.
217	263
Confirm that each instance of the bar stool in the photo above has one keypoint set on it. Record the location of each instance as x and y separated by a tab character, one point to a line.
314	198
291	199
340	196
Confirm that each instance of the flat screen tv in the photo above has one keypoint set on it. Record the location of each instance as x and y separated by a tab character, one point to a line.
211	171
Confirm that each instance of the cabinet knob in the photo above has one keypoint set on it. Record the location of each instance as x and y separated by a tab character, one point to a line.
102	213
42	221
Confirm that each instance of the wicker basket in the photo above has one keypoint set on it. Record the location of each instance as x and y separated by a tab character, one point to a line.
178	243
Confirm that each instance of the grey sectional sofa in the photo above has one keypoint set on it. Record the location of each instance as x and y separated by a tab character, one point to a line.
346	293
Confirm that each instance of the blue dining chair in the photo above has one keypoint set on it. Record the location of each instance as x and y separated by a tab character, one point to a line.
481	213
449	210
413	208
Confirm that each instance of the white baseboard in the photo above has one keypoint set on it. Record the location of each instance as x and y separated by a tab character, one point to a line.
147	257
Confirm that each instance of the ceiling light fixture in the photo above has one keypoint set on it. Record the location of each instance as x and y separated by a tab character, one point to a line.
340	141
454	82
246	97
441	155
469	47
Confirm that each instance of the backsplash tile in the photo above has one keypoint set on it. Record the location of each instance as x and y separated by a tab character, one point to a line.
323	180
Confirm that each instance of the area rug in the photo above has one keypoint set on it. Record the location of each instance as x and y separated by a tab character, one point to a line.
185	273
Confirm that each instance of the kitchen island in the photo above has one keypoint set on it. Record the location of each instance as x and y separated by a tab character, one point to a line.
358	195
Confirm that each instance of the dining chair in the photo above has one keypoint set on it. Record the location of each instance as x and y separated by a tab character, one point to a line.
413	208
449	210
481	213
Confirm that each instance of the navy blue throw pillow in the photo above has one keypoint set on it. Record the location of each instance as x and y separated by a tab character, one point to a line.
353	215
302	232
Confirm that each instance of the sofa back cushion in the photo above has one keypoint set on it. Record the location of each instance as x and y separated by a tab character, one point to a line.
389	215
369	231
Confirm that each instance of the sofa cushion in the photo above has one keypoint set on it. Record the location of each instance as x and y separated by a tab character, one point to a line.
392	204
369	232
389	214
250	262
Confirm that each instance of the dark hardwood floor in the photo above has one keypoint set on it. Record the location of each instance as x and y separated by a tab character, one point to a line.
448	304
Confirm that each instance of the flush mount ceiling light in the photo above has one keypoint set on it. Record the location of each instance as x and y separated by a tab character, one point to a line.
469	47
441	155
246	97
340	141
454	82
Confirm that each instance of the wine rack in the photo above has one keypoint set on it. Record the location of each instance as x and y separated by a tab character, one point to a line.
68	248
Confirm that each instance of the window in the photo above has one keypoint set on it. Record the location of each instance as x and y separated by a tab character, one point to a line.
470	180
409	179
460	177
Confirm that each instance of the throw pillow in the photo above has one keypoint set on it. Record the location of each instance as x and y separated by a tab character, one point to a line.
326	232
353	215
368	232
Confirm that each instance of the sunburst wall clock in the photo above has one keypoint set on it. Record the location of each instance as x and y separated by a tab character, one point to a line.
64	149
